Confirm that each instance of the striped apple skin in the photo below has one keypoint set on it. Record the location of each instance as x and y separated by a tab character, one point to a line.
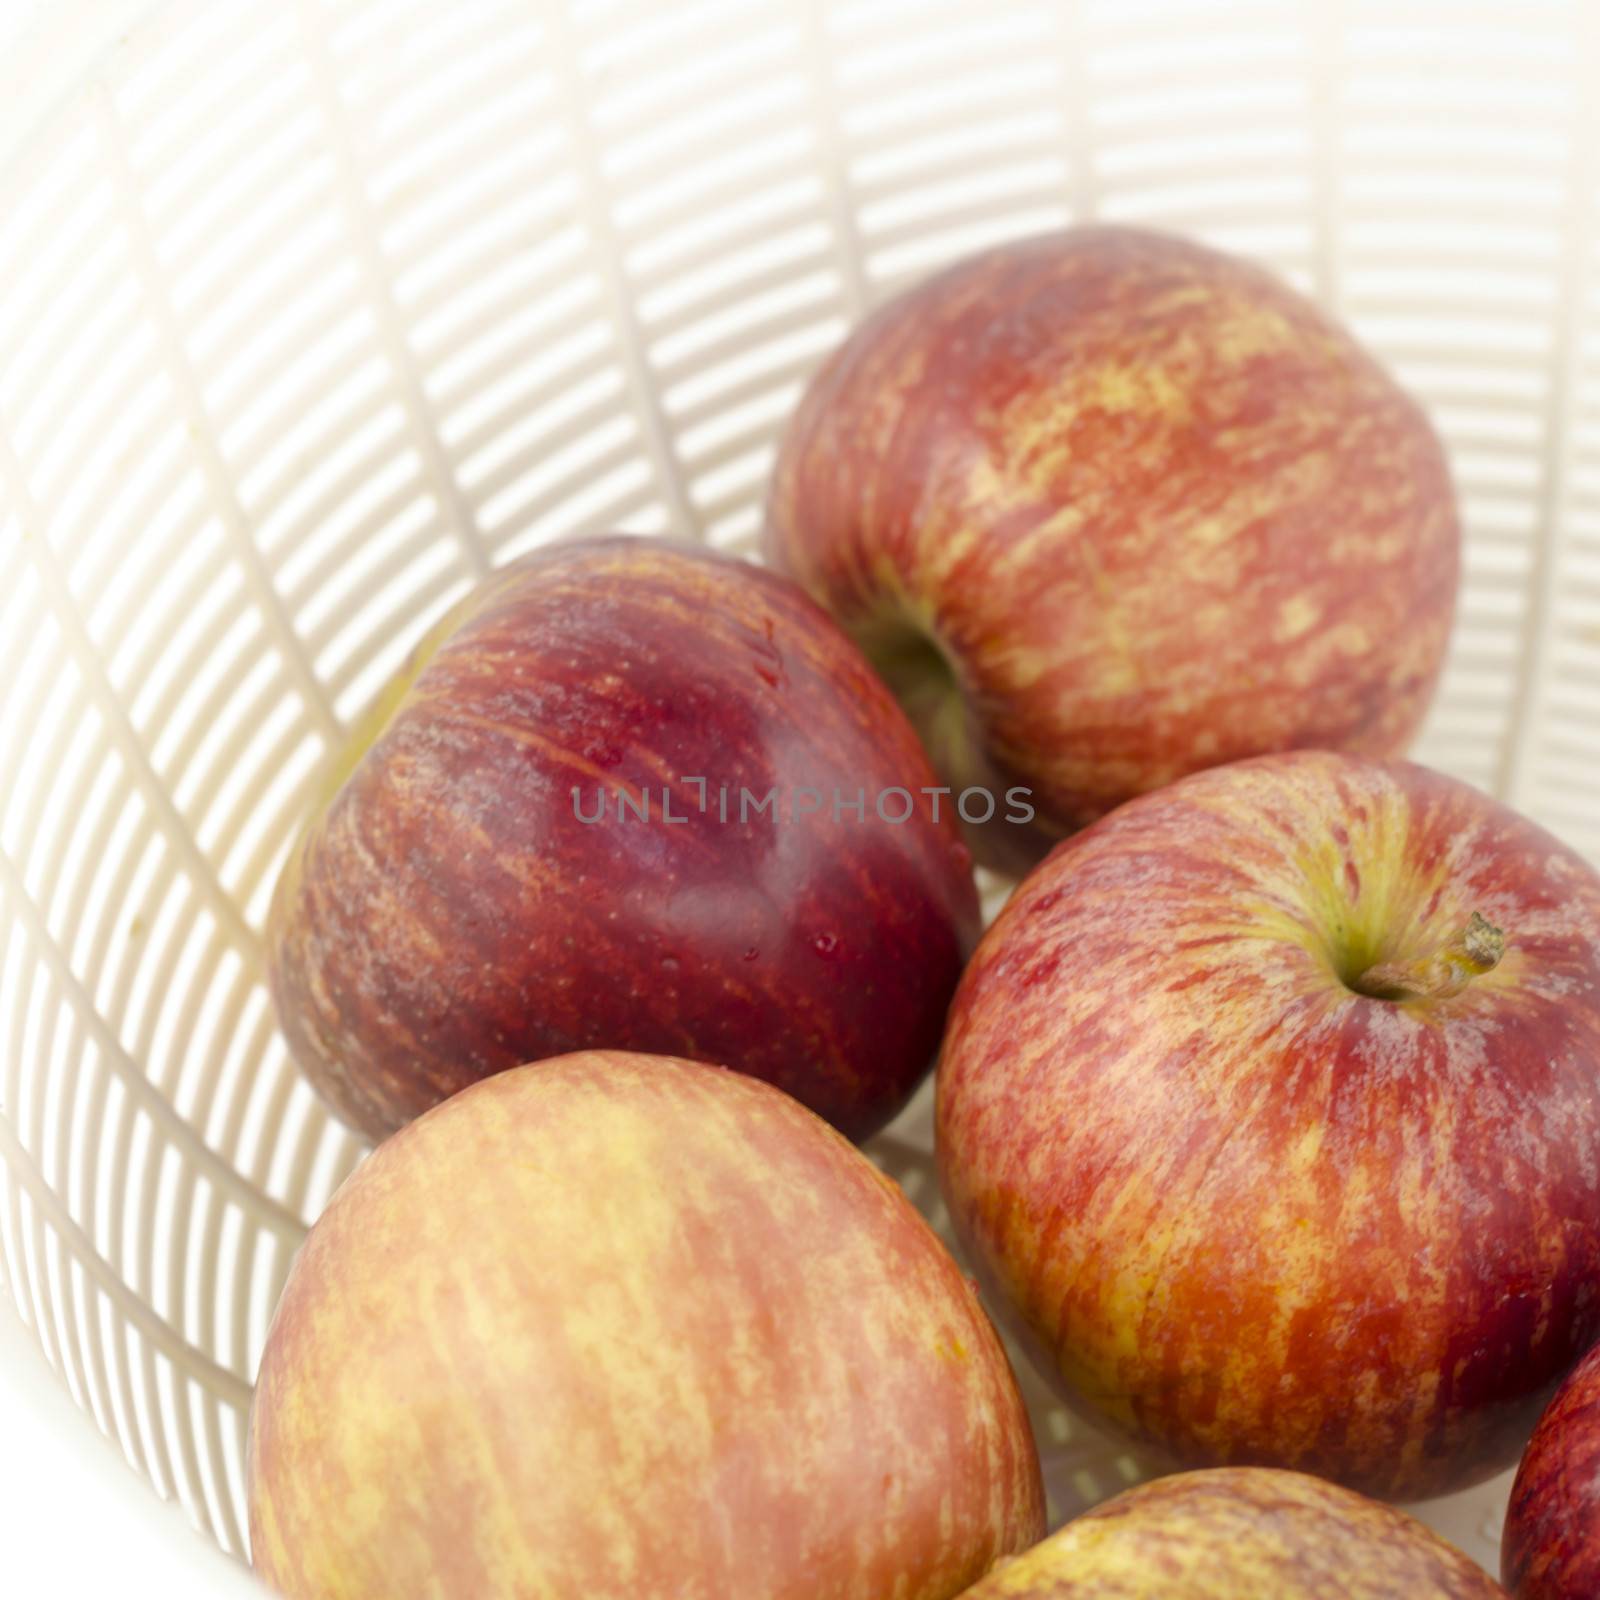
1156	510
1551	1546
1252	1215
449	914
618	1325
1241	1533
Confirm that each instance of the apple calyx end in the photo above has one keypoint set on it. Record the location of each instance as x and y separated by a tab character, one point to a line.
1476	949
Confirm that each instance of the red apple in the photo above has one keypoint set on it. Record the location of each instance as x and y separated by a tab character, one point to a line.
1240	1533
631	795
1106	507
1273	1153
618	1325
1551	1546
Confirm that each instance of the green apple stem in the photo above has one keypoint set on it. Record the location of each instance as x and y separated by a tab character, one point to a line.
1475	950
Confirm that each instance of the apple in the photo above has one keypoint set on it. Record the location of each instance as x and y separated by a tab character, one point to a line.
633	795
1551	1546
620	1325
1106	507
1270	1106
1241	1533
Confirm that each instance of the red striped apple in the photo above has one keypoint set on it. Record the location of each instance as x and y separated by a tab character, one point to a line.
632	795
618	1325
1106	507
1271	1104
1240	1533
1551	1546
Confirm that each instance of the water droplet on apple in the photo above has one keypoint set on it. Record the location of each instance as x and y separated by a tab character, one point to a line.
825	943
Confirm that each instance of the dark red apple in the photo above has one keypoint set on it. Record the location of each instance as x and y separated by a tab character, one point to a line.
632	795
1551	1546
1106	507
1270	1104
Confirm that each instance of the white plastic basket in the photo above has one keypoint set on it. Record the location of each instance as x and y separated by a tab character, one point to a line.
311	311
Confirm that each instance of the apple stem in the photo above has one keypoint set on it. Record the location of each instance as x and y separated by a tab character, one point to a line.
1475	950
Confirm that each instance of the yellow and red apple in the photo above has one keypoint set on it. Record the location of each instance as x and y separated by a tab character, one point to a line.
631	795
1240	1533
618	1325
1106	507
1270	1106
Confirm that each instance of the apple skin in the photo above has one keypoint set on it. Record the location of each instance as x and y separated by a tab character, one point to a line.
1106	507
1241	1533
1551	1546
614	1324
448	914
1242	1210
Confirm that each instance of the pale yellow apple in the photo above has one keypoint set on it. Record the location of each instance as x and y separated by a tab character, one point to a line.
619	1325
1241	1533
